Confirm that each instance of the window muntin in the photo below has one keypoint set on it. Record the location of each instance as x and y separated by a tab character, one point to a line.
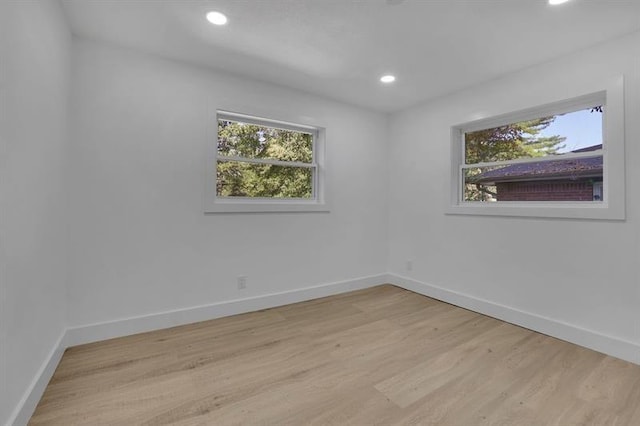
248	140
257	180
551	157
264	159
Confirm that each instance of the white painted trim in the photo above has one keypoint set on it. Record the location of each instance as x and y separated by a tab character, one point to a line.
213	204
609	345
229	205
265	121
553	107
29	401
127	326
124	327
236	159
613	206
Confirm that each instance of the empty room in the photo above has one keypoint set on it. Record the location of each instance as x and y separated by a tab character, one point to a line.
345	212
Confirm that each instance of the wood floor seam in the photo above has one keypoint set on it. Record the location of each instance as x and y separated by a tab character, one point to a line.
379	356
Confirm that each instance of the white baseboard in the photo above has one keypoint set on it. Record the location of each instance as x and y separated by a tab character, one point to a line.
124	327
127	326
95	332
609	345
28	403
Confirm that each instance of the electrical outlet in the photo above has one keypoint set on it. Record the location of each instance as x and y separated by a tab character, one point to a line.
242	282
409	265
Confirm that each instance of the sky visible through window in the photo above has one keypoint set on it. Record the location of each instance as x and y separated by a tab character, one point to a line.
580	128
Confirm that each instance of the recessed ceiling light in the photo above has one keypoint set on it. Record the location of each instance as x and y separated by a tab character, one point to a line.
216	18
388	78
556	2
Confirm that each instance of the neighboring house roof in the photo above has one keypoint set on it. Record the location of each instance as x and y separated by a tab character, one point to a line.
545	170
589	148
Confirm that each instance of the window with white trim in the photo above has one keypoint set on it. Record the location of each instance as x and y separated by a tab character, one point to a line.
557	157
550	161
266	165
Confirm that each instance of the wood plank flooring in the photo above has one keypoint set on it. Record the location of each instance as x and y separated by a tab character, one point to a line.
381	356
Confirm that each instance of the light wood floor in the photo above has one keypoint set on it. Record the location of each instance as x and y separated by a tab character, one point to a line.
378	356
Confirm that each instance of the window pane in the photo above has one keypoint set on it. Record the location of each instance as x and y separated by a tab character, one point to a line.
577	179
477	190
578	131
240	179
246	140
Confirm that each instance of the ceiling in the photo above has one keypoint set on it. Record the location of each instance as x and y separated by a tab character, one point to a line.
340	48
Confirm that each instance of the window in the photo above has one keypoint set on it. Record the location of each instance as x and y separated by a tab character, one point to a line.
597	191
549	161
557	157
266	165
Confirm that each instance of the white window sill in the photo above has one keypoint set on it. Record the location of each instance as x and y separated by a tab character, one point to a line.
269	206
562	210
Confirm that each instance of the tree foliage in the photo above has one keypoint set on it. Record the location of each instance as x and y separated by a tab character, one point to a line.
508	142
236	178
512	141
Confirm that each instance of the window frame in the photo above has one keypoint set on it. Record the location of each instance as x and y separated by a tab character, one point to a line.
598	190
316	203
612	208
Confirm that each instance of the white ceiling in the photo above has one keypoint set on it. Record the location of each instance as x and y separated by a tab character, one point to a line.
339	48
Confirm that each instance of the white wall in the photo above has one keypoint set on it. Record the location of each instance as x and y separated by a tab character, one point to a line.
140	241
582	273
35	60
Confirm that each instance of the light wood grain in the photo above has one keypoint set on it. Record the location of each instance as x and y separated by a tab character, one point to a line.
378	356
